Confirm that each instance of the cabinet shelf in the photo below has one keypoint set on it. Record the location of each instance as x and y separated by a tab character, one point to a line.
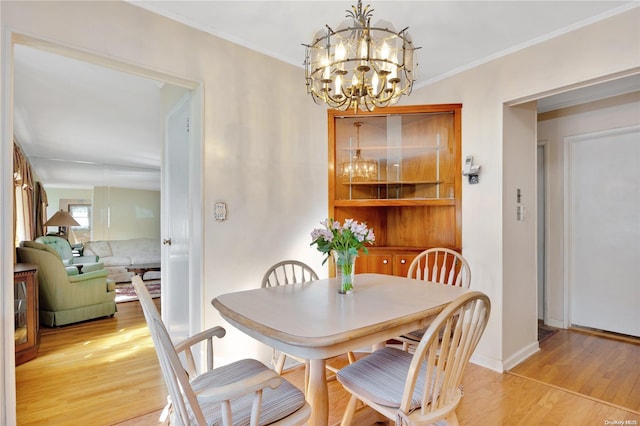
391	202
395	182
393	147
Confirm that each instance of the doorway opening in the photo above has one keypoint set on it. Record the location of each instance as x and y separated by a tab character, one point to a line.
604	105
109	172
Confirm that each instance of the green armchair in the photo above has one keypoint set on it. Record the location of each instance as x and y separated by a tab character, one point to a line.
66	299
62	246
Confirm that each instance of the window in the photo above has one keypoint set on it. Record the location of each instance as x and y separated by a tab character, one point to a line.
81	213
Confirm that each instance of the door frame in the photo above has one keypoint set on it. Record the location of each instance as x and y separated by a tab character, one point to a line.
543	221
9	38
566	278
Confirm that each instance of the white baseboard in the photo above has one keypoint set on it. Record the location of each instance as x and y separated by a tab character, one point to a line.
555	323
520	356
486	362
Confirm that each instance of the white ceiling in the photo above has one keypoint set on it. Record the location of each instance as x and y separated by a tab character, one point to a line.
452	35
72	117
84	125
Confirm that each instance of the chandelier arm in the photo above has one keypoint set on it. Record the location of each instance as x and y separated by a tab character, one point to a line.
334	102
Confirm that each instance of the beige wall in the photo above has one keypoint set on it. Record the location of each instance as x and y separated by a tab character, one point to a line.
553	128
600	51
133	213
122	213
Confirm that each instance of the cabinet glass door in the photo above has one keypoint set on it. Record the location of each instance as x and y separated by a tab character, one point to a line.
400	156
20	303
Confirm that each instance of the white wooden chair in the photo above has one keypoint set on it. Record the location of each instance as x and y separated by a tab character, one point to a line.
285	273
440	265
424	387
245	392
292	272
288	272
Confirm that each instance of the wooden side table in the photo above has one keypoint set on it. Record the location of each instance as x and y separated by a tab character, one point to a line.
25	300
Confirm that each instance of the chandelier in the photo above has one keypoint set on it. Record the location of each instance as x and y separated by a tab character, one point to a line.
359	65
357	169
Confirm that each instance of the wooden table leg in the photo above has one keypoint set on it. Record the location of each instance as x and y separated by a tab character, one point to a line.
318	393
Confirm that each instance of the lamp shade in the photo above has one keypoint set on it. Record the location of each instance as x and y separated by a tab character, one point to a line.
61	218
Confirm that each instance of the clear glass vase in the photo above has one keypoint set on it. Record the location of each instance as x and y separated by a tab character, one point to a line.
345	262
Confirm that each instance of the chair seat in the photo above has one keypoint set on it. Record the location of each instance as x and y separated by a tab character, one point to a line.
276	403
381	377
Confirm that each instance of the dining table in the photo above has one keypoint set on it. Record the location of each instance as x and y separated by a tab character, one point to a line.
313	321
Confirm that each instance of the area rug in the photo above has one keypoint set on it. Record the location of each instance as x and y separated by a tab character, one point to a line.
126	293
545	331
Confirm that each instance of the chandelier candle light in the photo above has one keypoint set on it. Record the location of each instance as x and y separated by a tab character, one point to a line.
360	65
343	243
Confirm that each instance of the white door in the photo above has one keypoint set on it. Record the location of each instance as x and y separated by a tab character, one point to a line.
604	223
175	221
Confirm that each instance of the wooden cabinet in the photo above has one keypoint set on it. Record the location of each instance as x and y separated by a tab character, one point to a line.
25	300
399	170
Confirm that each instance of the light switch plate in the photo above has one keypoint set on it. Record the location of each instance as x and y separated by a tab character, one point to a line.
220	211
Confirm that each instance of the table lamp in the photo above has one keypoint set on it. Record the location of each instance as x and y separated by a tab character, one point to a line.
62	220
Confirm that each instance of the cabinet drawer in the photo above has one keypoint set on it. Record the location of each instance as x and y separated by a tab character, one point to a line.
401	262
380	264
386	263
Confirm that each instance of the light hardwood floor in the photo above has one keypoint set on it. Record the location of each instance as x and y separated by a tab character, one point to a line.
105	372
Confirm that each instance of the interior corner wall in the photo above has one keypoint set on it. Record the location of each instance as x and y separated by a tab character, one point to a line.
122	213
581	56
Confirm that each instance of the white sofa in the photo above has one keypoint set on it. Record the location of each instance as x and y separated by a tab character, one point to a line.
118	254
